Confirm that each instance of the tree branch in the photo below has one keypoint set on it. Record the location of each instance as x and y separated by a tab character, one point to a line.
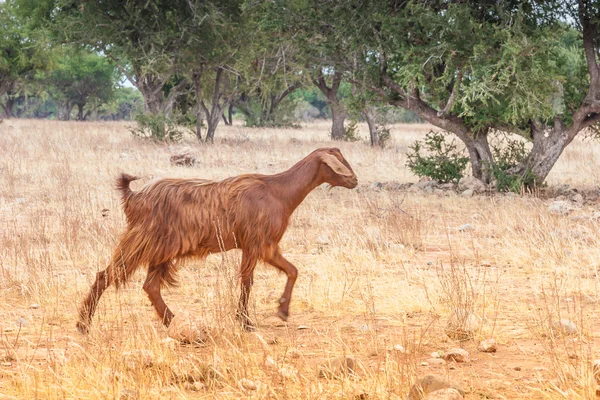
455	88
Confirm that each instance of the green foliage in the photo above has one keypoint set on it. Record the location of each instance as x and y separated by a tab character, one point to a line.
351	132
162	128
384	135
442	160
507	157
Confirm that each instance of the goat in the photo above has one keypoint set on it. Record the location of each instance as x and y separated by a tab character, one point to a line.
179	218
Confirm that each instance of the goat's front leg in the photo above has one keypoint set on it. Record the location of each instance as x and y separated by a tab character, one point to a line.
279	262
247	274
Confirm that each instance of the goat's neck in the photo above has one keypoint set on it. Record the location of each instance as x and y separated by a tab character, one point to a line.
297	182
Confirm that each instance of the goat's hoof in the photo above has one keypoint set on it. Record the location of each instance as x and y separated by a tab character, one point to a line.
83	328
283	315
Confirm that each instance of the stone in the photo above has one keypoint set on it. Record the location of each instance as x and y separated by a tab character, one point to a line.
338	367
457	355
577	198
22	322
425	184
447	186
467	193
472	183
183	158
462	325
137	359
34	306
187	329
400	349
560	207
564	327
465	228
487	346
445	394
247	384
429	384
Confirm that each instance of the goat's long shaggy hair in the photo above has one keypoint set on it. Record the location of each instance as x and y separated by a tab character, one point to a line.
172	219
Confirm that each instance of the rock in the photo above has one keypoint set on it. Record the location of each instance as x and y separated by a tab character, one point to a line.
22	322
34	306
462	325
400	349
137	359
338	367
472	183
247	384
288	372
457	355
564	327
577	198
447	186
187	329
487	346
465	228
322	240
437	354
467	193
425	184
183	158
429	384
194	386
444	394
377	186
560	207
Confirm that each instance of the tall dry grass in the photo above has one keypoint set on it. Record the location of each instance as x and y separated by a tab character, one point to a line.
377	268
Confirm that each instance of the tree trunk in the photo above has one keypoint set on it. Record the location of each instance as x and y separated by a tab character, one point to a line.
228	119
338	116
80	112
370	117
198	93
480	156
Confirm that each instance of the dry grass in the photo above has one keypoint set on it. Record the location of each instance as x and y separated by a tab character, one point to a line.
377	268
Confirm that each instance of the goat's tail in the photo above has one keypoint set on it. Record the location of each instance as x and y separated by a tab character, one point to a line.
123	185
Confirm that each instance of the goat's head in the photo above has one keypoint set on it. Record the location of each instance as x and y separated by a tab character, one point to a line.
335	170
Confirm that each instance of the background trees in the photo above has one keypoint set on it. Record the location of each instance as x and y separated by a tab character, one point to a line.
475	69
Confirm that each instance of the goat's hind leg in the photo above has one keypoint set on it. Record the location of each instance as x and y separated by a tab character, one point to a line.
247	274
88	307
157	276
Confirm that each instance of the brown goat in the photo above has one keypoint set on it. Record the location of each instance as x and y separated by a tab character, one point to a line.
178	218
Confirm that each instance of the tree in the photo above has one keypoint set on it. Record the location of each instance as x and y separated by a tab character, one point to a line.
81	79
469	67
142	38
19	58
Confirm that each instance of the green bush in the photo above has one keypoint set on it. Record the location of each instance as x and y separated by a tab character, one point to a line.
442	161
351	132
160	127
506	158
384	135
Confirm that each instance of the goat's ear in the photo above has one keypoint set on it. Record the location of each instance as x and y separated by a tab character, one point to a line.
336	165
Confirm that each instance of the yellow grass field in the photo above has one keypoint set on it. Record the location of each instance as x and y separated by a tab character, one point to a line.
379	270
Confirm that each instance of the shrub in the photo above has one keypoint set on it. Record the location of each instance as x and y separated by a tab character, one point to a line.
351	132
162	128
384	135
442	161
506	158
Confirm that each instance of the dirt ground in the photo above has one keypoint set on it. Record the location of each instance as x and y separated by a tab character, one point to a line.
381	269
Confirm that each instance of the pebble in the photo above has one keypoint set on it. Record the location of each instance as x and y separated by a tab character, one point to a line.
432	383
247	384
445	394
487	346
565	327
457	355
